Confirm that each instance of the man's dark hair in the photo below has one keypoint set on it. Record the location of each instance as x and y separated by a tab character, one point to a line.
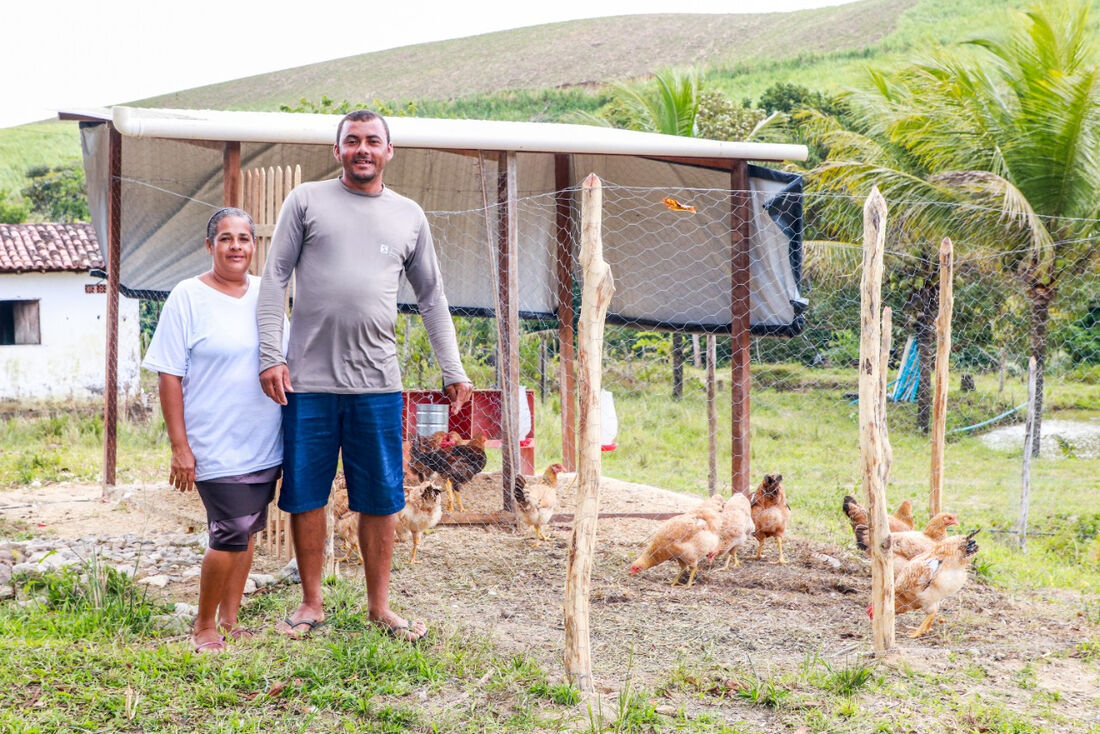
229	211
361	116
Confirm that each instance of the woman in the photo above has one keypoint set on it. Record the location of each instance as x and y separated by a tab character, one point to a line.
225	433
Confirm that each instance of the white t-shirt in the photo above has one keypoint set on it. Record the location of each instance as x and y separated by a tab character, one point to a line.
210	339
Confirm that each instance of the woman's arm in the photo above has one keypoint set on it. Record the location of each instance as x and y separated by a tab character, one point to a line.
182	475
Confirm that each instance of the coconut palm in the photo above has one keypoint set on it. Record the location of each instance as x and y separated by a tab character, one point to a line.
1008	127
668	106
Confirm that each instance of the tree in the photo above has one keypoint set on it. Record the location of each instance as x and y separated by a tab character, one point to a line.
57	194
668	106
12	210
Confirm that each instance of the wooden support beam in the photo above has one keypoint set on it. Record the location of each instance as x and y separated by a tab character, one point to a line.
598	287
740	240
872	425
563	216
1029	438
509	518
943	356
231	174
508	321
712	417
114	254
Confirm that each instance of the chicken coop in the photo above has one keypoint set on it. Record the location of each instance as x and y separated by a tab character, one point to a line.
502	200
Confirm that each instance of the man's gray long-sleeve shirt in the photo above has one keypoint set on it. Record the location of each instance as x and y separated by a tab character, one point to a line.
349	250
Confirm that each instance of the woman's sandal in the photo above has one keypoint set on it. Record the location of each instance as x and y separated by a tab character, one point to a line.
217	645
239	633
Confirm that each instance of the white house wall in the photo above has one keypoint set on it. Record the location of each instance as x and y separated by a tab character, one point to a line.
69	362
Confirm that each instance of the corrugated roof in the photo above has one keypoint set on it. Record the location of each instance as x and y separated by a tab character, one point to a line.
48	246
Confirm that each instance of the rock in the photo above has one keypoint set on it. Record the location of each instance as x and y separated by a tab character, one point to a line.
172	624
5	573
290	572
26	568
262	579
191	572
159	581
250	586
7	592
834	562
183	609
665	710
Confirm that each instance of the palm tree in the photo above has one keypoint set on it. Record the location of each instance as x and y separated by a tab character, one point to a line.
668	107
1008	127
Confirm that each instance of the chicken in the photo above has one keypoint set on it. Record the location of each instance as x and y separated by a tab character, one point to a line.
536	499
929	578
910	543
900	521
686	539
770	513
735	527
455	463
421	512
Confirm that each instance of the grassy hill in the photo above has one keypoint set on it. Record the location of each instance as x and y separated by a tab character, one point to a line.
536	72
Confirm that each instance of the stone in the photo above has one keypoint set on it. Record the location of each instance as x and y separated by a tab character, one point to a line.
290	572
834	562
159	581
191	572
250	587
7	592
172	624
183	609
5	573
262	579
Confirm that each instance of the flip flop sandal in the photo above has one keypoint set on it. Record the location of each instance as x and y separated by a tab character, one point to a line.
402	632
312	623
209	646
240	633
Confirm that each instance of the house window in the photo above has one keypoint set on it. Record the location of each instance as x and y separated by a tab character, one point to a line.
19	323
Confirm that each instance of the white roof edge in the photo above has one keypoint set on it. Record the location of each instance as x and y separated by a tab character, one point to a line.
420	132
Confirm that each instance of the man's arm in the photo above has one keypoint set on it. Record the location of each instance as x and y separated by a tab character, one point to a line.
282	258
422	270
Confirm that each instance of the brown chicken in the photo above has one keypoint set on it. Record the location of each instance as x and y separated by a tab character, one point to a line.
900	521
455	463
770	513
929	578
910	543
686	539
421	512
537	498
735	527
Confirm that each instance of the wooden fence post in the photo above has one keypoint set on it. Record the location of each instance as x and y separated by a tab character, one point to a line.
943	354
873	446
712	418
596	293
1029	438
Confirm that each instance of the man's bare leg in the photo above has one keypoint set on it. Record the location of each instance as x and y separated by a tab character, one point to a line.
309	531
376	546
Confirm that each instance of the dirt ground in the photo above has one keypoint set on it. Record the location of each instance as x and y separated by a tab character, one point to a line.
761	617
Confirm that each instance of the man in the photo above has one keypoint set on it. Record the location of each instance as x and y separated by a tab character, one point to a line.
349	240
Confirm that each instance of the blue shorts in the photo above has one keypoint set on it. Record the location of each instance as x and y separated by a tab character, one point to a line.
365	428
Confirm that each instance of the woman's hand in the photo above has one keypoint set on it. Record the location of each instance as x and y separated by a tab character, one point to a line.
182	475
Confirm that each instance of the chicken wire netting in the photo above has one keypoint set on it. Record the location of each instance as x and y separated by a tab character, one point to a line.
667	441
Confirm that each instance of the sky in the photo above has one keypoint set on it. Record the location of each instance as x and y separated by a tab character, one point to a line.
65	54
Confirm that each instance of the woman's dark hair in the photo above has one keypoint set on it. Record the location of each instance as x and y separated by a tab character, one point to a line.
229	211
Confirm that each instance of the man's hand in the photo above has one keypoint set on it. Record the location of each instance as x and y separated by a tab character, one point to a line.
275	382
182	474
459	393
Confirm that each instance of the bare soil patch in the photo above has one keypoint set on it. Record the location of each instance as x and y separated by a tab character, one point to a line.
761	617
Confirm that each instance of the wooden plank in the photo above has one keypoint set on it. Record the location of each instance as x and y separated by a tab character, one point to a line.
712	417
509	518
231	174
1029	441
943	356
872	428
598	287
740	241
508	321
563	214
114	250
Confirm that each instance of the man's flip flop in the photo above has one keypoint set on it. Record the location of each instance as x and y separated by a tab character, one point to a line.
406	633
311	623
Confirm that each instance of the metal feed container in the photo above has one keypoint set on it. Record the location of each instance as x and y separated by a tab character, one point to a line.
432	418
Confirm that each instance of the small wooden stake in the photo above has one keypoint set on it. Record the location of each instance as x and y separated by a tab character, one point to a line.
1029	438
943	354
873	442
596	293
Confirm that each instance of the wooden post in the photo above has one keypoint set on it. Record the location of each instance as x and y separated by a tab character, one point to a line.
114	253
508	321
740	240
595	297
1029	439
696	357
712	418
943	354
677	365
231	174
563	209
872	427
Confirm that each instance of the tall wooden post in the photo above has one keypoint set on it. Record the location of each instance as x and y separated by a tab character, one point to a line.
563	209
231	175
595	297
712	418
508	321
943	356
740	240
874	454
114	253
1029	438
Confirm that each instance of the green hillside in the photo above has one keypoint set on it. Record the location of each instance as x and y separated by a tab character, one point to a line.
537	72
